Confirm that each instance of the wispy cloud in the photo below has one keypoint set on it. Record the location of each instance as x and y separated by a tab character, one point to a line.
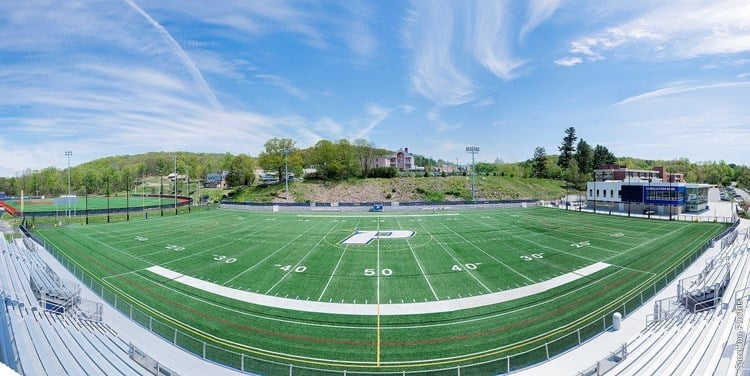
283	84
536	13
440	33
194	71
491	39
357	33
673	30
680	89
568	61
376	116
434	75
440	124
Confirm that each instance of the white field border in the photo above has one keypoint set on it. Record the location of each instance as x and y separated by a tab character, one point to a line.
381	309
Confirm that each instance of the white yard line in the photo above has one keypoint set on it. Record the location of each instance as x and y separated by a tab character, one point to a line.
385	309
271	254
291	270
488	255
419	263
458	262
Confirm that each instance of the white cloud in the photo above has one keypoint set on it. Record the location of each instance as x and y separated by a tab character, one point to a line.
484	102
673	30
194	71
434	74
568	61
680	89
536	13
490	34
407	108
357	33
440	124
284	84
441	33
377	115
328	126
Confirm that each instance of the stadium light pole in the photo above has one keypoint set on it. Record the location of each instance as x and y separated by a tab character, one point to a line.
107	199
175	184
187	185
68	154
286	171
127	197
473	150
670	196
161	192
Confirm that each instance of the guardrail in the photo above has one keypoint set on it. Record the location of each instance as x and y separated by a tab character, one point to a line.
563	342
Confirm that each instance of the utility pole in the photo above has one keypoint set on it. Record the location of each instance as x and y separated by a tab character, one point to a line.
68	154
472	150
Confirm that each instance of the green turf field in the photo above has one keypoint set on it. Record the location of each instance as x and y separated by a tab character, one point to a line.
94	203
307	262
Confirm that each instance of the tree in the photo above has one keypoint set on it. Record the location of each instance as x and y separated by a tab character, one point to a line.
567	148
573	175
744	179
485	168
272	158
241	171
367	155
603	156
539	163
584	157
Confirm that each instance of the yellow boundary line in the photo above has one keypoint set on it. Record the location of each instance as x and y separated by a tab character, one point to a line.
377	351
507	348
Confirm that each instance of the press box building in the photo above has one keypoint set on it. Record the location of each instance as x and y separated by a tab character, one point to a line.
618	188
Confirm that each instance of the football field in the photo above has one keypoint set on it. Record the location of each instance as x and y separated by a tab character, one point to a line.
379	291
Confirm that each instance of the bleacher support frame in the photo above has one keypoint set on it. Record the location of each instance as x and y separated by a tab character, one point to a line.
149	363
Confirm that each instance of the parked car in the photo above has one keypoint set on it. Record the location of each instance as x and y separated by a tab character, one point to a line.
648	211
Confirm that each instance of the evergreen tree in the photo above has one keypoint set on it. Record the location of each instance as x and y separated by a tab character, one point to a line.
603	156
585	157
567	148
540	162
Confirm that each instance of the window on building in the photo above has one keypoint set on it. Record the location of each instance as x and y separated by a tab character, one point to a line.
611	193
597	193
591	192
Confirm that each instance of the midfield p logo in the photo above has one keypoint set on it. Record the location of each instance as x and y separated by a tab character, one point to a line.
365	237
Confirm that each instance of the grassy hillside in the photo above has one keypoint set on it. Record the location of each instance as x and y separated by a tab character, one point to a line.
455	188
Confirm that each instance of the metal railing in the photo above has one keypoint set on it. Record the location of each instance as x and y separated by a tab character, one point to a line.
607	364
204	349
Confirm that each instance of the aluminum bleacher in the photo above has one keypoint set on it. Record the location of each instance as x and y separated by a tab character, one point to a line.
42	341
701	343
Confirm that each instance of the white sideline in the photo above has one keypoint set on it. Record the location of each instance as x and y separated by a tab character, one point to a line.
385	309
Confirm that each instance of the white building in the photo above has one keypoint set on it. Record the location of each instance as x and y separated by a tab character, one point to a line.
649	193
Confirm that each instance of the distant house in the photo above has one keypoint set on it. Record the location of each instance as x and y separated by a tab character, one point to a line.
175	176
402	160
217	180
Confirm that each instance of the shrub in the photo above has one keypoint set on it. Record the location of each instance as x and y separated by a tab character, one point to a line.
383	172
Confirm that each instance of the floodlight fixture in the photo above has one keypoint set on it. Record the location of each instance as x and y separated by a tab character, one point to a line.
472	150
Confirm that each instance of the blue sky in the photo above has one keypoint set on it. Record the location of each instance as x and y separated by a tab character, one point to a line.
649	79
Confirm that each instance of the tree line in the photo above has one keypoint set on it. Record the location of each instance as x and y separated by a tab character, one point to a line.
340	160
577	161
332	160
